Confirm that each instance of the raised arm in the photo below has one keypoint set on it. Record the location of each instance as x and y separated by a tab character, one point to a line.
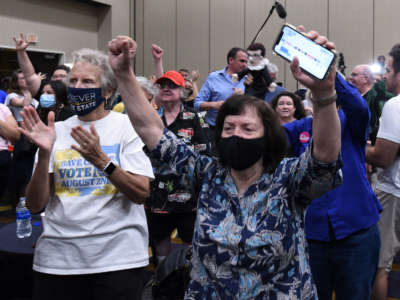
157	53
326	124
142	115
354	107
33	80
40	186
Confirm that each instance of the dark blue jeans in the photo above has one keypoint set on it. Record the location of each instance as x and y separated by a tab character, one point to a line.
347	266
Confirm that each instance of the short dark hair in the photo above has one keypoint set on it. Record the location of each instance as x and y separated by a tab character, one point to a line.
184	70
257	46
298	105
62	67
5	83
275	141
232	53
395	54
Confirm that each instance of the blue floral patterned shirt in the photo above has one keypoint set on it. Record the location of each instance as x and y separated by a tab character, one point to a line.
253	246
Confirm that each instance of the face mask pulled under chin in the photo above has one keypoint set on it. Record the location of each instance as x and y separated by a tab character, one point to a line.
239	153
84	100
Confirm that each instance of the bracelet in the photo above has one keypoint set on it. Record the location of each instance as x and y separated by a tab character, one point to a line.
321	102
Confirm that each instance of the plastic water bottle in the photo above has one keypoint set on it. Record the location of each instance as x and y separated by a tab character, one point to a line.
24	226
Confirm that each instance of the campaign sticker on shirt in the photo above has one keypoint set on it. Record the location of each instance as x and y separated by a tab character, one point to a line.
304	137
188	115
186	133
200	147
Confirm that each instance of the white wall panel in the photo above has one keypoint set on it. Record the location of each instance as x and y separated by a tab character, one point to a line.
386	26
60	25
351	28
226	30
160	20
193	36
313	15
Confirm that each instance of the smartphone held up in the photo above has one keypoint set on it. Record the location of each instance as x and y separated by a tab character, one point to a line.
314	59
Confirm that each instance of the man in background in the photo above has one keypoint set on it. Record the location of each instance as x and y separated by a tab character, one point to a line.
385	155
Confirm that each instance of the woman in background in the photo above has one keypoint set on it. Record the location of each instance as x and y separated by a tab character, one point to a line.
23	155
54	98
9	134
288	106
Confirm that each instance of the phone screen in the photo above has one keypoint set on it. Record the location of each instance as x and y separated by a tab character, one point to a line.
314	59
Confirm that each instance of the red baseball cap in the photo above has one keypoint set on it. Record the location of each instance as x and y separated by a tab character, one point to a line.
174	76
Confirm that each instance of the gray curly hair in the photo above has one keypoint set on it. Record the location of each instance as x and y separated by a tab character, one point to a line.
147	85
100	59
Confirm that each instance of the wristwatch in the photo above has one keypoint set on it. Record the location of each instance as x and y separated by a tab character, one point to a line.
109	168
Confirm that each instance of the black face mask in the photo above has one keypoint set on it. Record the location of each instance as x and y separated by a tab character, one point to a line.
239	153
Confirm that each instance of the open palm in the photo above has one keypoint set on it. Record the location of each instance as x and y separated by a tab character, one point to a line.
36	131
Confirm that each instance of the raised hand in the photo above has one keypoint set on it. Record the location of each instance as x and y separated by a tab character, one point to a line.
249	80
152	77
157	52
195	75
42	76
121	50
36	131
319	88
21	43
237	91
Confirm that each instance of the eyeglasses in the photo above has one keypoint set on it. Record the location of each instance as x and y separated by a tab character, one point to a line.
255	55
355	74
169	84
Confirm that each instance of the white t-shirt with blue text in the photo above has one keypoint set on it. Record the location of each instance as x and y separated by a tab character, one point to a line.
90	227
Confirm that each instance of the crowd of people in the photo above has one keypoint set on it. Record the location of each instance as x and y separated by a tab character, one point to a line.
279	194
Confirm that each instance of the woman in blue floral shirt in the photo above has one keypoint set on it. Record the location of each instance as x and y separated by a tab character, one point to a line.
249	235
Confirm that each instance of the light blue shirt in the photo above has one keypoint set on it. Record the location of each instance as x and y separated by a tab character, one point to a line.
218	87
271	95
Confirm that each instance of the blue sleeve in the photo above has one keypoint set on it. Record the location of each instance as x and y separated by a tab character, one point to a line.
203	95
355	109
3	96
294	130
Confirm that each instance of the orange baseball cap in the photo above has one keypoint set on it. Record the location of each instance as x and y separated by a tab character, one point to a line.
174	76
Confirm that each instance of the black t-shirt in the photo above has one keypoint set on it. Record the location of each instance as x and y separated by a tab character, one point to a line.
171	192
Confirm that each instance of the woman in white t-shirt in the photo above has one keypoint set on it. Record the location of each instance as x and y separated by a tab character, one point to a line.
9	134
92	177
24	152
18	95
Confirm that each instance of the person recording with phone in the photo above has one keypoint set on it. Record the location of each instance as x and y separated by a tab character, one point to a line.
249	240
341	226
